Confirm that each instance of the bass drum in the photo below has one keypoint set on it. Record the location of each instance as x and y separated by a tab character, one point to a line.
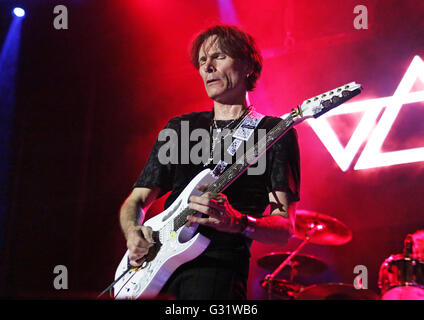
401	278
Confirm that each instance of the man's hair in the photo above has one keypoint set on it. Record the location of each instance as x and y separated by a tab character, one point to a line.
235	43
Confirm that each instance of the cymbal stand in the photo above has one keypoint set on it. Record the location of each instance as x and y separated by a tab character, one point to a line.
270	277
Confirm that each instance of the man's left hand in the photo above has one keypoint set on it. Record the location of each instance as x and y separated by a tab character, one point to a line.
221	215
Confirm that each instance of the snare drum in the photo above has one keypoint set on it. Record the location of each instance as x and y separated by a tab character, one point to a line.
401	278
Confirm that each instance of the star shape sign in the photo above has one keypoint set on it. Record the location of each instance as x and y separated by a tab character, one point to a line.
372	155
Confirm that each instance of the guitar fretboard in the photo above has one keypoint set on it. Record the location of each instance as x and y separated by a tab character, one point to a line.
241	165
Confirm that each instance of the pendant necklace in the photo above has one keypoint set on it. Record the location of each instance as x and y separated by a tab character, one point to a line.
219	137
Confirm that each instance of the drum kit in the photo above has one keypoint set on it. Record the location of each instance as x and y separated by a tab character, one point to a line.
400	277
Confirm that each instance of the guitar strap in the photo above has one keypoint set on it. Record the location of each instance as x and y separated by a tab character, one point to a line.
243	133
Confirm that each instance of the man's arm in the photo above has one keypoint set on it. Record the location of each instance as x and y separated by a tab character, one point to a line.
134	207
274	228
131	217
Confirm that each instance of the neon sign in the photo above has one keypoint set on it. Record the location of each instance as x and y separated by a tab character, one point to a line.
372	156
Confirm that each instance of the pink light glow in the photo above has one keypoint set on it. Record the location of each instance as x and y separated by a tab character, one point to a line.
372	157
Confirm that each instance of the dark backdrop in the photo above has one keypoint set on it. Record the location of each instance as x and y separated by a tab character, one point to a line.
92	99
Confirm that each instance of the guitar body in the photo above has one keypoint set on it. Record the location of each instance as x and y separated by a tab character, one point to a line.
172	248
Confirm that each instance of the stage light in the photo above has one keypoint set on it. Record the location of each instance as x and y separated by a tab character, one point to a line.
19	12
371	130
9	54
227	12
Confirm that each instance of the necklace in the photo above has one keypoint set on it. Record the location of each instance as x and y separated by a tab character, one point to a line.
215	125
217	138
242	116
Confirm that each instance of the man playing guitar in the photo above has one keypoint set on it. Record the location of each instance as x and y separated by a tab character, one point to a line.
229	64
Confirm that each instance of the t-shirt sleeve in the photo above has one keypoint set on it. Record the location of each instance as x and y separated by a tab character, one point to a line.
157	173
284	166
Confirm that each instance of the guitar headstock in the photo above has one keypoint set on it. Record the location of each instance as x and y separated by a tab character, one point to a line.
318	105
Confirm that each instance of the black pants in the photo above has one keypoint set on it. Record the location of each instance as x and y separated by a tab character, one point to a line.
206	279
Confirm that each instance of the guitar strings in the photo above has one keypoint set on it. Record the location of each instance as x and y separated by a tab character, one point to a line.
238	167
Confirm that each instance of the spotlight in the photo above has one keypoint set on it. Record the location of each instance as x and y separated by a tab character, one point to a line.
19	12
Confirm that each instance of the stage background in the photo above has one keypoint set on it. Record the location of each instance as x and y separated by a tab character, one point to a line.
90	101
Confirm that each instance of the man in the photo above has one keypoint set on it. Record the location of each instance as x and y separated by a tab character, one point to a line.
229	64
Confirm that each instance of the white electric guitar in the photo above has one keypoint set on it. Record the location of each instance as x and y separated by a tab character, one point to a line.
175	243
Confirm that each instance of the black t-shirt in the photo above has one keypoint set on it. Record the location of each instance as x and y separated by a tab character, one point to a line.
248	194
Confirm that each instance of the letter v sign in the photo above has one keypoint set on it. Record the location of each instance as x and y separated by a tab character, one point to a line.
372	156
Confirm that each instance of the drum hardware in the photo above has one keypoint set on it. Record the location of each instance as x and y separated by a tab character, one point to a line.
315	228
335	291
270	277
321	229
300	264
286	290
401	277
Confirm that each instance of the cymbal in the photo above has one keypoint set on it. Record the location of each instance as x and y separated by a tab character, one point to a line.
304	264
319	228
285	289
336	291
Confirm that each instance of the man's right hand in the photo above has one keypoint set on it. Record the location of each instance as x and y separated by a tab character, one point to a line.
139	240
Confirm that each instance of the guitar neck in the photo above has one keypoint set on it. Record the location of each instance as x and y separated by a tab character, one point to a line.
243	163
251	155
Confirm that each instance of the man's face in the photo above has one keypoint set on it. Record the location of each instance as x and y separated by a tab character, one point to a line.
224	78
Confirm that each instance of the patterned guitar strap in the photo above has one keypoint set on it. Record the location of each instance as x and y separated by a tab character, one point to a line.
242	134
